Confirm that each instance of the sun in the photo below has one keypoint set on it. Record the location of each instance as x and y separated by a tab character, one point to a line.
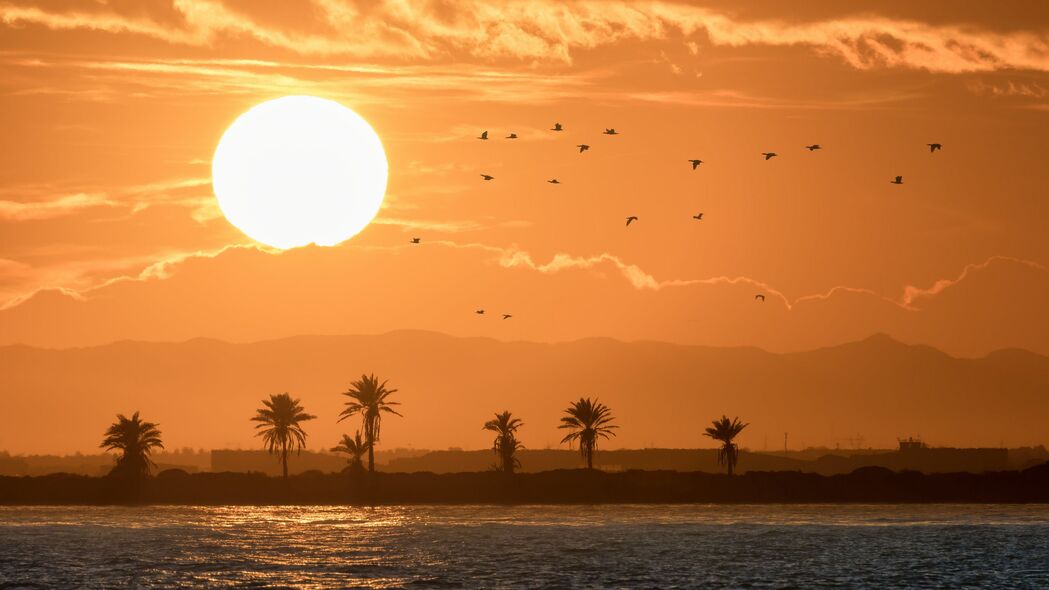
299	170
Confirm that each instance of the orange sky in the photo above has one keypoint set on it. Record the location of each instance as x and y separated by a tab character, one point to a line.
111	112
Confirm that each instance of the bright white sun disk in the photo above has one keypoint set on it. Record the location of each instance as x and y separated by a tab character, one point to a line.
298	170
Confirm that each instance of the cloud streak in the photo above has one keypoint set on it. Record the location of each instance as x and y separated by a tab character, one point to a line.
553	32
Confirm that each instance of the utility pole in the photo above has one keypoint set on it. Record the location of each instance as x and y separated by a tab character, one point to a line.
784	443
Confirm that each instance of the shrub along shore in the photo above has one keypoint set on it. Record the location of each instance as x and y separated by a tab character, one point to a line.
865	485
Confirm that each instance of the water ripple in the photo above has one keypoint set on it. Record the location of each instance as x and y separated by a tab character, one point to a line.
752	546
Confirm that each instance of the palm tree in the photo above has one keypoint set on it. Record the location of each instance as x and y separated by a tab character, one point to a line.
368	398
135	440
355	447
589	420
726	431
281	429
506	444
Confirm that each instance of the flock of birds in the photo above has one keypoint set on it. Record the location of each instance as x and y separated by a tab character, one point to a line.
933	147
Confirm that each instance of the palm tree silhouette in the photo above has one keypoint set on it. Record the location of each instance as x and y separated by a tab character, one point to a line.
135	440
589	420
355	447
506	444
281	429
368	398
725	431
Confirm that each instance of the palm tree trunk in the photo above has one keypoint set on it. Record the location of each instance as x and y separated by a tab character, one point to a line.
371	455
284	459
589	458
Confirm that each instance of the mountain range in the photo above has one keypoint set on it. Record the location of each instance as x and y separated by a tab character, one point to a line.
203	392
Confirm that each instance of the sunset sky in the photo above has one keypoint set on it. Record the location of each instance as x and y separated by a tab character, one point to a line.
112	111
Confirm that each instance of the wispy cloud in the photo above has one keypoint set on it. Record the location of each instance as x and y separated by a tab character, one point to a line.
79	279
43	201
552	31
59	206
913	294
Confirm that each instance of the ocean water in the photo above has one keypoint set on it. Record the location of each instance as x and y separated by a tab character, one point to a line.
624	546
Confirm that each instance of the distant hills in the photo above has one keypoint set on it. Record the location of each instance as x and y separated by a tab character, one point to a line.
203	392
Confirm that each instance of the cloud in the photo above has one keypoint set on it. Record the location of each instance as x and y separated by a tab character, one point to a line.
44	204
912	294
81	278
553	32
49	209
436	285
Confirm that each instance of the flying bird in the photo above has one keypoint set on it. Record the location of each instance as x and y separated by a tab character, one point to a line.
695	163
583	147
698	217
769	155
814	147
479	312
610	131
484	135
554	181
557	127
899	180
934	146
487	176
507	316
416	240
760	297
630	220
512	136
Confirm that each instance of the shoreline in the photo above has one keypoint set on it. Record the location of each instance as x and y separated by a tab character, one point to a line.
559	487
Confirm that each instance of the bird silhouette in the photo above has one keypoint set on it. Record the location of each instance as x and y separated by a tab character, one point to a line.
507	316
899	180
416	240
512	136
760	297
695	163
769	155
934	146
484	135
610	131
583	147
487	176
814	147
698	217
554	181
557	127
479	312
630	220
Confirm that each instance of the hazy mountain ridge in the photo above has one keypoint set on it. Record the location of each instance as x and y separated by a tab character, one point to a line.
203	391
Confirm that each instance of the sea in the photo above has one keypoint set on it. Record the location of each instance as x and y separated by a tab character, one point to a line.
605	546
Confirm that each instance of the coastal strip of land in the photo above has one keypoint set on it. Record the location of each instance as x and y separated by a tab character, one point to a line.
568	486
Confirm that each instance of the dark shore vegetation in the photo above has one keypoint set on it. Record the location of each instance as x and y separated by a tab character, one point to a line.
577	486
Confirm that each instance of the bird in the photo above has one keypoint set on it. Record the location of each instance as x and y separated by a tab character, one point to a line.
554	181
698	217
899	180
760	297
512	136
557	127
479	312
507	316
487	176
695	163
814	147
610	131
630	220
934	146
583	147
484	135
416	240
769	155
